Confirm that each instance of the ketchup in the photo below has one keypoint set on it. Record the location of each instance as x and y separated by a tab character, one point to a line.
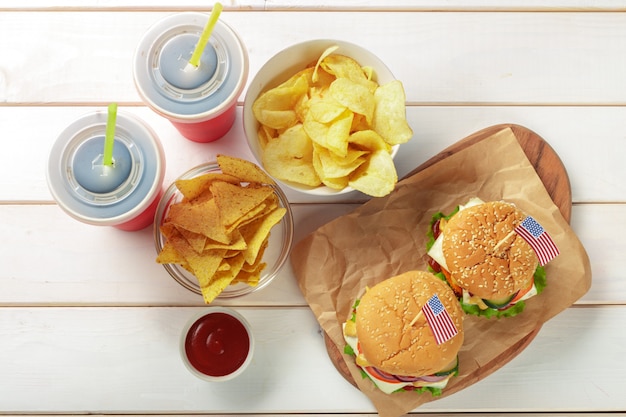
436	232
217	344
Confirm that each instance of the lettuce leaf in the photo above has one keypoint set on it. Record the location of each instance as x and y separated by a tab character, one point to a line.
437	216
540	278
354	306
540	283
473	309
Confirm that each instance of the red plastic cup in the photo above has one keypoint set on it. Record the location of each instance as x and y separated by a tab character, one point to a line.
199	101
125	195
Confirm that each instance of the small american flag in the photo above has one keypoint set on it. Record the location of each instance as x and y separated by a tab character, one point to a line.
541	242
439	320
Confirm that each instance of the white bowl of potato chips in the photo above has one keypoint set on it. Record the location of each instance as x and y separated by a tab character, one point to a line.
326	117
223	229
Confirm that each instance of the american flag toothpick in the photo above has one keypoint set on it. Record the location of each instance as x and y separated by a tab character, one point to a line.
439	320
541	242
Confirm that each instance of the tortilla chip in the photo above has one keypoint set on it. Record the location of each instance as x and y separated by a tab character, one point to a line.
234	201
244	170
193	187
257	233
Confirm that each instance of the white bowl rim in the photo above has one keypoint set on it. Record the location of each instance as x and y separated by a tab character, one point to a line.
205	312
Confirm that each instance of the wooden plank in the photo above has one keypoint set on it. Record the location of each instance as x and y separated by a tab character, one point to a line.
430	5
496	58
595	175
427	5
114	354
111	267
421	414
541	155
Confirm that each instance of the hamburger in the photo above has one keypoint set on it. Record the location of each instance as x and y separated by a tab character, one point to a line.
491	268
395	340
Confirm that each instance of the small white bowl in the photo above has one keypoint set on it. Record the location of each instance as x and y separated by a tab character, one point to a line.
288	62
210	330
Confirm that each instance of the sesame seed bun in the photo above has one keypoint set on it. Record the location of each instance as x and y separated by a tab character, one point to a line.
483	253
388	339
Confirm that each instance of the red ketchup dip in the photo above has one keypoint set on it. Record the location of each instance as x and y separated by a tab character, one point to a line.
217	344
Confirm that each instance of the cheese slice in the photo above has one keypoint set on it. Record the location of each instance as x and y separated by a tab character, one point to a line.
436	251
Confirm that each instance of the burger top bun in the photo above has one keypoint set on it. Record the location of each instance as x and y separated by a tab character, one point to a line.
483	253
388	339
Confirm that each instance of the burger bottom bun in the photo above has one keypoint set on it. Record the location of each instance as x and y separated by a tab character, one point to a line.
483	253
388	338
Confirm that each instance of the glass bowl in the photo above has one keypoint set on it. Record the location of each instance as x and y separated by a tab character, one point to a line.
275	256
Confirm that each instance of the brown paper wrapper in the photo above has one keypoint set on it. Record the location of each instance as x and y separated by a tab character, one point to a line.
386	236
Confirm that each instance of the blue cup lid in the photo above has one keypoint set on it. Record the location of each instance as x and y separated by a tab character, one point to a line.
75	186
177	91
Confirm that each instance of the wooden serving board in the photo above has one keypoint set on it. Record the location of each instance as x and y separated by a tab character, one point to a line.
550	170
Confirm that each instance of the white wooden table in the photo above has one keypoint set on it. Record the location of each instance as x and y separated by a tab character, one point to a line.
89	323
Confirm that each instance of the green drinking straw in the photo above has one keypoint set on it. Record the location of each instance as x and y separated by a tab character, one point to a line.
206	34
109	138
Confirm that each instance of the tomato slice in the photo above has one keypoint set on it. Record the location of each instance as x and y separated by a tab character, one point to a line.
522	293
457	290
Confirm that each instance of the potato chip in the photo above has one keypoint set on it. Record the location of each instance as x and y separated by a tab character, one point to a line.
325	110
324	54
333	166
290	157
336	183
325	123
377	177
265	133
369	140
339	133
220	229
333	136
275	107
390	115
354	96
342	66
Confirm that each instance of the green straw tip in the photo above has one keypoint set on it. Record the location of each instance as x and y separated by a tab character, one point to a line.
109	137
206	34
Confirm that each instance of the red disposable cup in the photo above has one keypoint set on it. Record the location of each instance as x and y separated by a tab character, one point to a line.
199	101
210	130
126	195
144	219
